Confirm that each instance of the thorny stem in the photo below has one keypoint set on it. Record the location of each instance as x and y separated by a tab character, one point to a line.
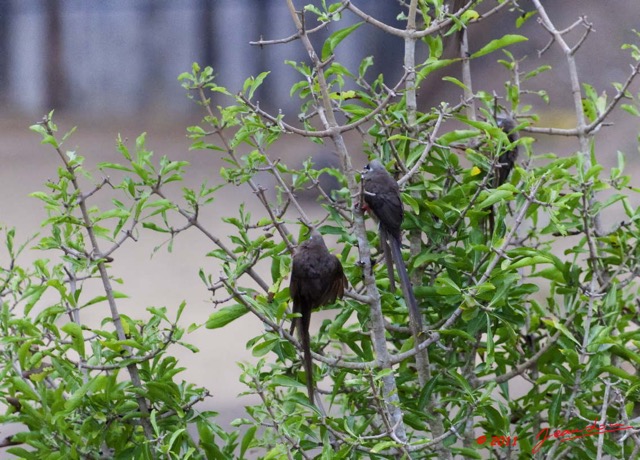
519	369
254	187
296	36
277	223
432	139
581	124
378	401
136	359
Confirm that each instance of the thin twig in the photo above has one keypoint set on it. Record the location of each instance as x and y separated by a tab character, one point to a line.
432	139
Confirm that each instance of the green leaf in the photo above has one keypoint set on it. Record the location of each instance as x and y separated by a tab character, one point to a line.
75	331
246	440
445	286
494	45
433	65
524	17
455	81
494	197
183	304
154	227
384	445
364	65
335	39
32	295
225	315
79	396
20	385
412	202
119	213
562	328
619	373
254	83
527	261
554	410
174	437
457	135
285	381
263	348
490	344
466	452
19	452
551	273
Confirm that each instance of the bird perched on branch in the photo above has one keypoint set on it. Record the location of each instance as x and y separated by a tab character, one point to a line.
507	159
505	163
382	198
317	279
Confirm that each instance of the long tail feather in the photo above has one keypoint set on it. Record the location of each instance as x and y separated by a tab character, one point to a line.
405	282
388	258
415	317
305	341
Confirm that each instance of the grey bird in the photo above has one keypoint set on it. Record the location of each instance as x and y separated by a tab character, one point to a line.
382	198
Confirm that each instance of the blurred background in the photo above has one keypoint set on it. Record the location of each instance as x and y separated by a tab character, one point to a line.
121	58
110	67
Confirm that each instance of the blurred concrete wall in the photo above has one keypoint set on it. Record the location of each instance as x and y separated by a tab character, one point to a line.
123	56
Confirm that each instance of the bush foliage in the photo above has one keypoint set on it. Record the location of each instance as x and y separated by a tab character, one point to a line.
529	299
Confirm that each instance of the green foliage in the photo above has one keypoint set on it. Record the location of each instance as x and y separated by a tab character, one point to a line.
75	388
520	284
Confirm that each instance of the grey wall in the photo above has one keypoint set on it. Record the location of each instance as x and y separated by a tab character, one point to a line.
123	56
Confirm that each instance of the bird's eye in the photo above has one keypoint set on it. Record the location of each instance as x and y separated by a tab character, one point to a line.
367	167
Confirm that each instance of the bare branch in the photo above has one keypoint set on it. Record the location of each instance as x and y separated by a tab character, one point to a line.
320	133
296	36
589	29
635	70
432	139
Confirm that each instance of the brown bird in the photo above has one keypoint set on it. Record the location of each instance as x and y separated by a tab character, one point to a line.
317	279
504	166
382	198
507	160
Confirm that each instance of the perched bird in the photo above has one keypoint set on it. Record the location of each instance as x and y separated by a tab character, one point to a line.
504	165
317	279
382	198
507	159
